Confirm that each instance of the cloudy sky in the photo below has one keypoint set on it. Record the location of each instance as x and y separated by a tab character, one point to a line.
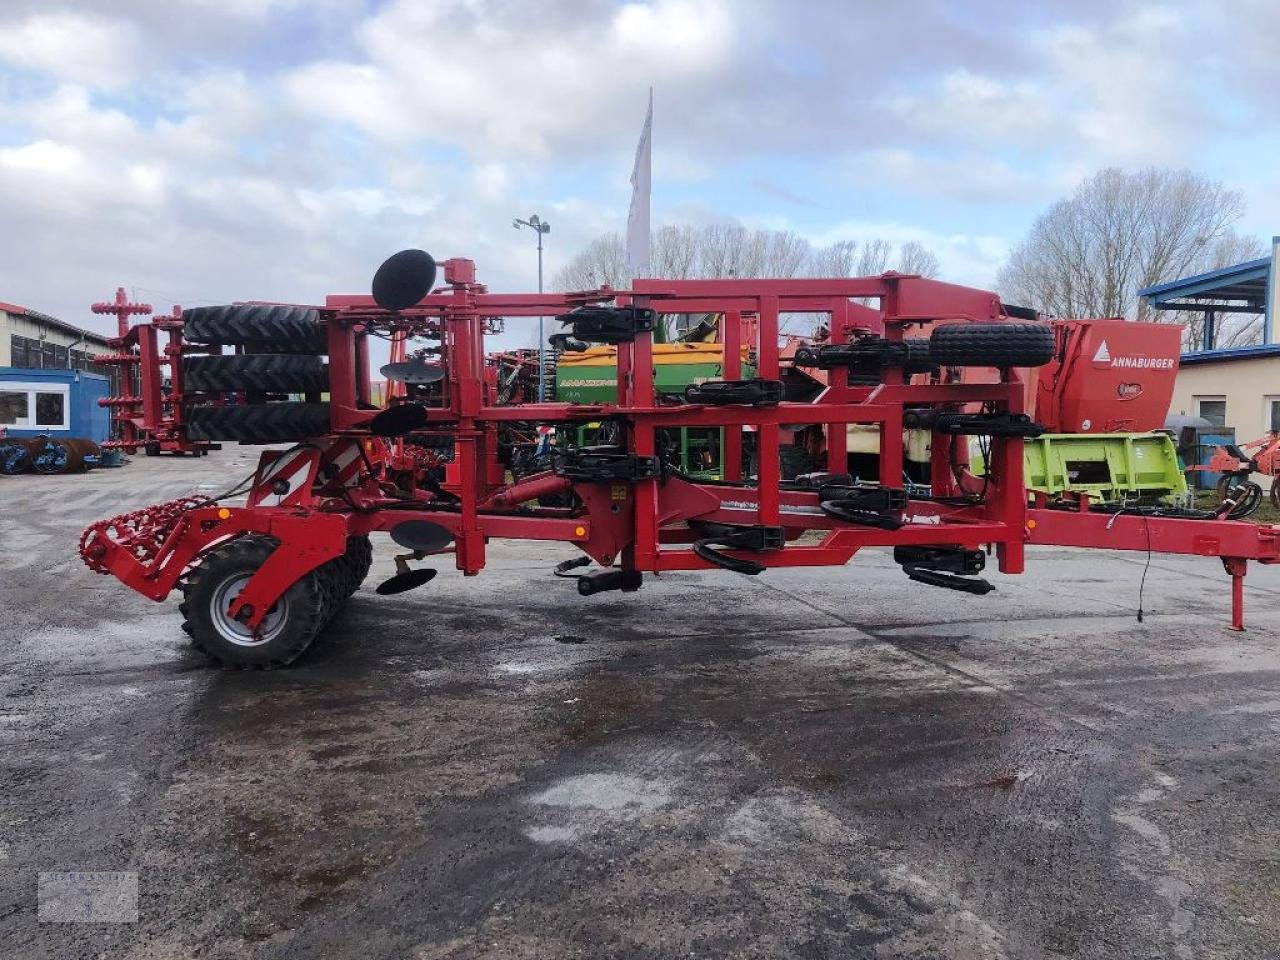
209	150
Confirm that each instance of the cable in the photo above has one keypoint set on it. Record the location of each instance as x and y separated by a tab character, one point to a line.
1142	584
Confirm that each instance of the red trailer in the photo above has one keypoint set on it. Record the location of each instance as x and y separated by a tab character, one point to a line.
260	580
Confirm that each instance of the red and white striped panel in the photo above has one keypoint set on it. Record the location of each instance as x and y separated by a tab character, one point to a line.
291	471
341	464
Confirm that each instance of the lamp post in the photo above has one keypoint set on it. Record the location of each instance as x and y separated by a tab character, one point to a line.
539	227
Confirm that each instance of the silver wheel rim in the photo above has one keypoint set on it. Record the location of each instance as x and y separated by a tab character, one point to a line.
233	631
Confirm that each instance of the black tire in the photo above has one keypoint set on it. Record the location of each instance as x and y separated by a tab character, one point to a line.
919	357
793	461
992	345
359	558
274	327
259	422
290	626
261	372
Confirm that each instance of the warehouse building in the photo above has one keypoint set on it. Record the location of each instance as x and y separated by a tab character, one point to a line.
49	382
1234	387
33	340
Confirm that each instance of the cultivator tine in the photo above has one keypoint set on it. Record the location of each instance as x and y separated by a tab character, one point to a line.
405	578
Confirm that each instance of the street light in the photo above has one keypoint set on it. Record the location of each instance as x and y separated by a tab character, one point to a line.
538	226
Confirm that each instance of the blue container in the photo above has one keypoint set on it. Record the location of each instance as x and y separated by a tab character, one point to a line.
60	403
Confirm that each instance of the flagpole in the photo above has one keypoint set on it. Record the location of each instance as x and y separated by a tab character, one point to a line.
639	237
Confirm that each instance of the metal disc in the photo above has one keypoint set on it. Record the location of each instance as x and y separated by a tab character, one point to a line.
414	372
399	420
405	581
404	279
421	535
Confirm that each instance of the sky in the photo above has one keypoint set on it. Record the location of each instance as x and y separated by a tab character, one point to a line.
205	151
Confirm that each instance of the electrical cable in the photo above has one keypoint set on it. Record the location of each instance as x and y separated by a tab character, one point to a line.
1142	584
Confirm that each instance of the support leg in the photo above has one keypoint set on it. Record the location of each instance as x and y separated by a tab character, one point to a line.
1237	567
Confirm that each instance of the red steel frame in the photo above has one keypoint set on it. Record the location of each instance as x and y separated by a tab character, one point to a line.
642	526
142	413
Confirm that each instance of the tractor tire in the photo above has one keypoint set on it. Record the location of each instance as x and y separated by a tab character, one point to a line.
793	461
1275	493
259	422
289	628
992	345
358	559
255	372
919	357
277	328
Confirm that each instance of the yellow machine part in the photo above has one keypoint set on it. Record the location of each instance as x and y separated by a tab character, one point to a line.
663	353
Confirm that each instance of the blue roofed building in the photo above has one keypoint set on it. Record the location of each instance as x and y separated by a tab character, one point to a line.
1236	385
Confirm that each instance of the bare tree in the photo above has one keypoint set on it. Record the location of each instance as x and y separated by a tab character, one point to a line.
1089	254
601	263
914	257
731	250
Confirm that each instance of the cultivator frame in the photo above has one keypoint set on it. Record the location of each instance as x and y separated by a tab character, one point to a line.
630	512
143	413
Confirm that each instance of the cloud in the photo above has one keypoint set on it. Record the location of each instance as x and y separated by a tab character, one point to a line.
83	48
975	106
522	79
972	176
221	149
1125	89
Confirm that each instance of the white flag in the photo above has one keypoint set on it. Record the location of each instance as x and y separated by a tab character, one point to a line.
641	189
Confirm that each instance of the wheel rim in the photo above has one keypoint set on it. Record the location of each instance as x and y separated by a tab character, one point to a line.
232	630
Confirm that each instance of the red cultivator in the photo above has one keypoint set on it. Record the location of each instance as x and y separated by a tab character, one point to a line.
260	580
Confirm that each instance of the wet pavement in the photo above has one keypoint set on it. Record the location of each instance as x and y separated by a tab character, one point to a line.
822	763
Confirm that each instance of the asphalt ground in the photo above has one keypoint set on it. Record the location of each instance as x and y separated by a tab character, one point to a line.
810	763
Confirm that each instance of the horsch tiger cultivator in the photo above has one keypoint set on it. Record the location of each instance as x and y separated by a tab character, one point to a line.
431	465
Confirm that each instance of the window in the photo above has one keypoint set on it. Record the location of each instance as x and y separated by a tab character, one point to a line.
13	407
1213	409
51	410
1272	414
35	406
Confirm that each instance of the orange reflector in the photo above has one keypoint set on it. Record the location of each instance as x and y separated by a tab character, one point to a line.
1031	524
223	513
579	531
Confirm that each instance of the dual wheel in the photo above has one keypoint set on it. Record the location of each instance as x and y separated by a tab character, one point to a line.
290	625
283	356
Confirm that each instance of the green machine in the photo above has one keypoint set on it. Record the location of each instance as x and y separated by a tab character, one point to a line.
591	376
